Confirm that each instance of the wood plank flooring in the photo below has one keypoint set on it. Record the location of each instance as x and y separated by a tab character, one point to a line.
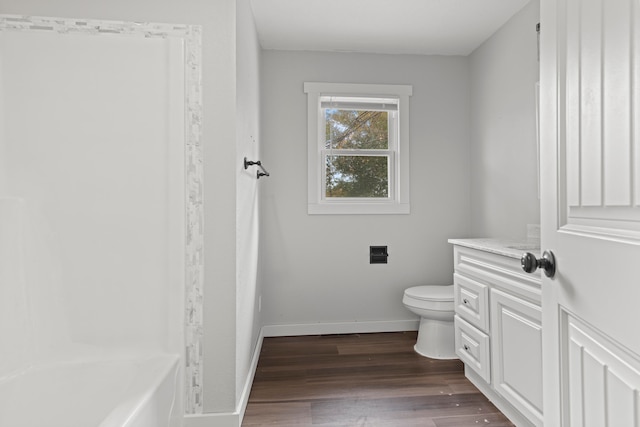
362	380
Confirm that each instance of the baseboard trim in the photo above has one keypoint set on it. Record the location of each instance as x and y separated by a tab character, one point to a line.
230	419
246	391
221	419
340	328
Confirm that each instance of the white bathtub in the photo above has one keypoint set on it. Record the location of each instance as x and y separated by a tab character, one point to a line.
101	393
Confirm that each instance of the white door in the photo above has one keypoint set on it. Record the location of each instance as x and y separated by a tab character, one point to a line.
590	180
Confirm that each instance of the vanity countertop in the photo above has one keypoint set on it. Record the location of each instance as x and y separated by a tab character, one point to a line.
504	247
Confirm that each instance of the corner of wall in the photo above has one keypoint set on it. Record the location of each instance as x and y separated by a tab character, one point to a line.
503	73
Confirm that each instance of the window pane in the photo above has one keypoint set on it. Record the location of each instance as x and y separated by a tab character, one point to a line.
357	176
355	129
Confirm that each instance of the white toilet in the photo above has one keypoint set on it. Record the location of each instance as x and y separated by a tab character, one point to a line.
434	305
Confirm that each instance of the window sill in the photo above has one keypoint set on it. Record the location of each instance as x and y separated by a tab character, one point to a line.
358	209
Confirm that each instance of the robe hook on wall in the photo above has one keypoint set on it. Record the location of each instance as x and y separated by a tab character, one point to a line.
248	163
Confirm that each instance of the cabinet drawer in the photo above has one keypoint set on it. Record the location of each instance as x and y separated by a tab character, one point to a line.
472	346
471	300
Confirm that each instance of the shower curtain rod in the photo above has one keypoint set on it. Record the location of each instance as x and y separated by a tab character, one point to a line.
248	163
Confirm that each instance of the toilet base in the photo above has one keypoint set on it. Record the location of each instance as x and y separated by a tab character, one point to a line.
436	339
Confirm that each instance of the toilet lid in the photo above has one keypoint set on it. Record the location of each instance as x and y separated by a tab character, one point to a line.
431	293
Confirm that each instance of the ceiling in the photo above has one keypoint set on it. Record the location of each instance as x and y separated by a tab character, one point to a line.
426	27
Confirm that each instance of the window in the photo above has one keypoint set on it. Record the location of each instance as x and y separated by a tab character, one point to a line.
358	148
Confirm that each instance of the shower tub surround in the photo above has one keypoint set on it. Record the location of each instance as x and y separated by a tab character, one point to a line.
101	223
110	391
47	380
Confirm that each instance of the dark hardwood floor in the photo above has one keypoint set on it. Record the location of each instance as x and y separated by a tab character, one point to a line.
362	380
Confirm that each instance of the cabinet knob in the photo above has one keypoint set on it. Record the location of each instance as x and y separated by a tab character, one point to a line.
530	264
466	347
466	301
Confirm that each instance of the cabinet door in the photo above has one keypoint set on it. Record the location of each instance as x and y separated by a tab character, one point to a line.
516	336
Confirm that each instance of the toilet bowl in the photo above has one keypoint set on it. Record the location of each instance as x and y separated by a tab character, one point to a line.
434	305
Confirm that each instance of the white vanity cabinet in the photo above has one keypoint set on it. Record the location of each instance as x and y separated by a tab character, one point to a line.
498	329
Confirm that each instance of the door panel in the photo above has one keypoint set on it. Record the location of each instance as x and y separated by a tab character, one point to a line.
600	138
605	381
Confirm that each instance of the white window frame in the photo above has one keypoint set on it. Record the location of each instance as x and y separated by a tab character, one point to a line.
398	152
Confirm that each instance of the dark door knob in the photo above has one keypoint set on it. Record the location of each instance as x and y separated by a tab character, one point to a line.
547	263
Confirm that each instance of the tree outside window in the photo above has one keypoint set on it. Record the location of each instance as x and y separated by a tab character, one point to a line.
356	175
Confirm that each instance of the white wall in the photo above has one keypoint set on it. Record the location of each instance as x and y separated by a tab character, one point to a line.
227	311
504	192
247	212
316	268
